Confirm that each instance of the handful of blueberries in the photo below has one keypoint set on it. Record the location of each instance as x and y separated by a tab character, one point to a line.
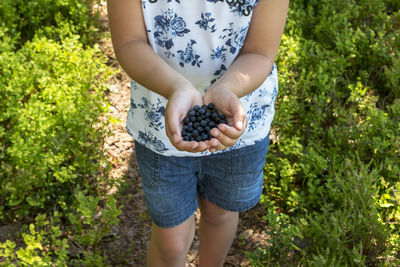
199	121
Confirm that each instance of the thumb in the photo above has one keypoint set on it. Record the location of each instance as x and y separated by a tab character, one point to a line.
239	115
172	125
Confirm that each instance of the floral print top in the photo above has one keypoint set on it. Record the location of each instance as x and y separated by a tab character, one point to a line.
200	39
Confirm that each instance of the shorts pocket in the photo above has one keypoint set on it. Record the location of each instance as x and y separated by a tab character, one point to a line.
149	166
247	164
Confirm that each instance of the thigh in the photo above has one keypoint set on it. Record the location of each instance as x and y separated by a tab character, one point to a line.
233	180
169	185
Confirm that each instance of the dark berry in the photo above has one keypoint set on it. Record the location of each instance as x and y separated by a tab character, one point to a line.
199	121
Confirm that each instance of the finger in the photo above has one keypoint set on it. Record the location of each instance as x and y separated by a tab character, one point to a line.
218	146
193	146
175	137
222	138
172	121
239	115
186	146
229	131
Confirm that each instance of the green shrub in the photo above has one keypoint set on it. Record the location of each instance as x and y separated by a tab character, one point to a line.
333	171
51	144
25	18
45	244
52	82
52	96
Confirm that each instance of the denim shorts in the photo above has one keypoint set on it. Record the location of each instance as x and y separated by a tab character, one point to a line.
231	180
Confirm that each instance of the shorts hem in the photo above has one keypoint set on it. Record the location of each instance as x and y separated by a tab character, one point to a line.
175	218
237	208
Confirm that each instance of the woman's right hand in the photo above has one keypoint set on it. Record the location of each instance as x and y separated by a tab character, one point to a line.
180	101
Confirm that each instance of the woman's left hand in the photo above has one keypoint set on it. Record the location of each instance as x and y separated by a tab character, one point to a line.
227	103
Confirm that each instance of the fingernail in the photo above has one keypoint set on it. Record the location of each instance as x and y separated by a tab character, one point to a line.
216	133
239	125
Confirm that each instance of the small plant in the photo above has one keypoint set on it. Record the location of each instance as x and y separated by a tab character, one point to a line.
331	175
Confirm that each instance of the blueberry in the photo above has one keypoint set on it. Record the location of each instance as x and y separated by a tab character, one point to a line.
186	138
199	121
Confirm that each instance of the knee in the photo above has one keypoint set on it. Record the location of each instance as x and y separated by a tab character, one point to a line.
172	251
218	219
216	216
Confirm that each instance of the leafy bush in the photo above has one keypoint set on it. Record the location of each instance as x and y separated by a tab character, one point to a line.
45	244
332	175
51	137
53	168
52	98
25	18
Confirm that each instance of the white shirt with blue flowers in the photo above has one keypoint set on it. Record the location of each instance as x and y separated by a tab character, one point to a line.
200	39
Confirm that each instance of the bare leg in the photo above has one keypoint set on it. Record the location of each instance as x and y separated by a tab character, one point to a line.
216	232
168	246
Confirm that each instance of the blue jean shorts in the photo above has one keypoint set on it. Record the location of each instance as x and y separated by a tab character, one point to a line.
231	180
